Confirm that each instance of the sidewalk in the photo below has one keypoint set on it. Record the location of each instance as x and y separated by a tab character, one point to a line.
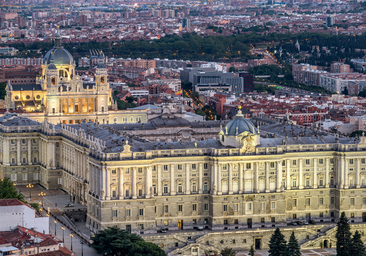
313	252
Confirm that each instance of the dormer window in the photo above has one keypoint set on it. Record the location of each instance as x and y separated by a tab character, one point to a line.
222	137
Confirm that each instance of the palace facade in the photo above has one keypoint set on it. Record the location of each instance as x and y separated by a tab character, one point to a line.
236	182
61	96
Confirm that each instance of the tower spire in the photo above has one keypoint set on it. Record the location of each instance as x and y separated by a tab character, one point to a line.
58	38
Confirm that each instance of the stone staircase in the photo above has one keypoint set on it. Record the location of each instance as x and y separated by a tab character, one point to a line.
326	233
196	241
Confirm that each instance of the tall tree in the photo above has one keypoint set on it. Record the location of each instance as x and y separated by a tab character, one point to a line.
293	248
277	244
117	242
227	252
356	245
343	236
8	191
251	251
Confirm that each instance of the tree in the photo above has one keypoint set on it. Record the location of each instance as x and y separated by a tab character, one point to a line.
114	241
356	245
362	93
277	244
251	251
8	191
293	248
227	252
343	236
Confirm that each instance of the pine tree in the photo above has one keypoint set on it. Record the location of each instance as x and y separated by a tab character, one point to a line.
293	248
277	244
251	251
343	236
356	245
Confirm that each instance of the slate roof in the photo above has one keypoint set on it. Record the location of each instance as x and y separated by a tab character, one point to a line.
26	87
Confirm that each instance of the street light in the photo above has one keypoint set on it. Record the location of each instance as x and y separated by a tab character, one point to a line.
55	226
71	235
63	234
42	194
82	251
30	191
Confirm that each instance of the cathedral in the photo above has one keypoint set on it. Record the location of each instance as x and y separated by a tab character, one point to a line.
61	96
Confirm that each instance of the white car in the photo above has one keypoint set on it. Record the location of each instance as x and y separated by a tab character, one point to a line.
199	228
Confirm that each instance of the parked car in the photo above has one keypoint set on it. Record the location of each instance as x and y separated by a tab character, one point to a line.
199	228
312	222
305	223
294	223
163	230
300	223
69	205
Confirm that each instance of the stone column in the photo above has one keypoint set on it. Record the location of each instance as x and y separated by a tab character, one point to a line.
346	183
68	105
108	183
219	178
267	177
256	177
241	170
288	175
340	176
301	176
213	186
134	195
172	180
357	179
148	180
200	177
18	153
327	172
159	180
230	166
315	173
30	151
102	174
73	100
188	191
6	151
87	105
120	183
279	176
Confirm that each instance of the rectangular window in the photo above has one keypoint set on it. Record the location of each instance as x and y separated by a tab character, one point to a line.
180	208
194	187
205	166
25	176
307	201
194	207
114	171
249	165
140	192
321	215
194	166
351	161
165	167
249	206
139	170
307	161
293	162
59	181
127	193
294	183
332	160
263	206
35	176
272	164
141	212
128	212
236	207
294	202
352	201
321	161
363	161
127	171
332	200
294	216
14	177
225	207
352	215
180	167
321	201
263	220
114	213
273	205
224	166
283	162
205	207
166	190
194	221
364	200
166	208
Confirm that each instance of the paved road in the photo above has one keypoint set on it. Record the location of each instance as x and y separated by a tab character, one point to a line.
76	245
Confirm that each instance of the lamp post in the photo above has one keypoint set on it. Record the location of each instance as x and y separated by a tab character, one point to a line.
71	235
63	234
82	251
42	194
30	191
55	226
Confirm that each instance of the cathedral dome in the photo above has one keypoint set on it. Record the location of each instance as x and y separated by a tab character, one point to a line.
239	125
61	56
